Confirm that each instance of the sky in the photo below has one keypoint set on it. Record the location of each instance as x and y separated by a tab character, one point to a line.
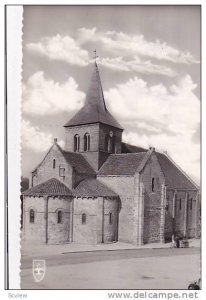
149	64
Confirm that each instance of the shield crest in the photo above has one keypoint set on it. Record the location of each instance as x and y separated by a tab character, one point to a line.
38	269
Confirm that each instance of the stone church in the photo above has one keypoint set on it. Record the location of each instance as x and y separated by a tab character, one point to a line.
101	190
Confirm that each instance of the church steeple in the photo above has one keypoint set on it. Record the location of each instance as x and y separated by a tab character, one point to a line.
94	109
93	131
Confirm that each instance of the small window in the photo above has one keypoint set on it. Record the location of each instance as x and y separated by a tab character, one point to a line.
180	204
84	218
86	142
76	143
153	181
59	216
110	218
61	171
54	163
167	203
31	216
191	203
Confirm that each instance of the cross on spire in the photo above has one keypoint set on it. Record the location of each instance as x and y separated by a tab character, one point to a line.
95	55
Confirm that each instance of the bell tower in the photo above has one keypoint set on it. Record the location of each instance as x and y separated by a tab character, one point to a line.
93	131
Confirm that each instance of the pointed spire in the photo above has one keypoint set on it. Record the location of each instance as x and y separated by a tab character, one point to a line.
95	96
94	109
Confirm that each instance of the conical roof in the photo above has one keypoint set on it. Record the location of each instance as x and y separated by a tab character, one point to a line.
94	109
51	187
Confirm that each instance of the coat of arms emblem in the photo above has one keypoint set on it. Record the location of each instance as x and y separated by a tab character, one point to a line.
38	269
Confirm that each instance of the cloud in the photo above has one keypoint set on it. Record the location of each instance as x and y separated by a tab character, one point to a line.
180	148
136	65
165	118
42	96
120	43
176	108
62	48
35	139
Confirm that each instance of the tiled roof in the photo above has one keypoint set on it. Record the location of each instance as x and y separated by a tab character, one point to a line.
51	187
122	164
174	177
94	109
127	148
92	187
77	161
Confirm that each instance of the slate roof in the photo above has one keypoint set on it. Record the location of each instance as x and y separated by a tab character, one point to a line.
51	187
122	164
174	177
127	148
77	161
94	109
92	187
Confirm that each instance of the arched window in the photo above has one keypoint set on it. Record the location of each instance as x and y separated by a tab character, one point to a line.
84	218
59	216
54	163
110	218
76	143
31	216
153	183
86	142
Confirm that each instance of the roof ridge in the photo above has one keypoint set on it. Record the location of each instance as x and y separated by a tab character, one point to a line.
133	153
180	169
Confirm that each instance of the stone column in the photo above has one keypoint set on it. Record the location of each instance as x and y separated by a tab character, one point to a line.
136	208
141	215
162	213
46	216
196	215
173	215
71	218
185	215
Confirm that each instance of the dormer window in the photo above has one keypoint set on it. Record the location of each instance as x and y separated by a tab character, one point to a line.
86	142
76	143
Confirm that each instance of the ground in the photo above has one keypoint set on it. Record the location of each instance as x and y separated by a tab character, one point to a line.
144	268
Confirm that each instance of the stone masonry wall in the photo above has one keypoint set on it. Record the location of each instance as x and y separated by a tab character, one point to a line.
59	232
92	129
192	214
179	224
124	187
152	200
34	231
111	206
117	138
86	233
97	228
97	153
46	171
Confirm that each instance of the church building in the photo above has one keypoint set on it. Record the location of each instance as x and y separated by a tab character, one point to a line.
101	190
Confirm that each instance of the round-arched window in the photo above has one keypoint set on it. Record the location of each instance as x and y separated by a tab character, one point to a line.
31	216
59	216
76	143
86	142
84	218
